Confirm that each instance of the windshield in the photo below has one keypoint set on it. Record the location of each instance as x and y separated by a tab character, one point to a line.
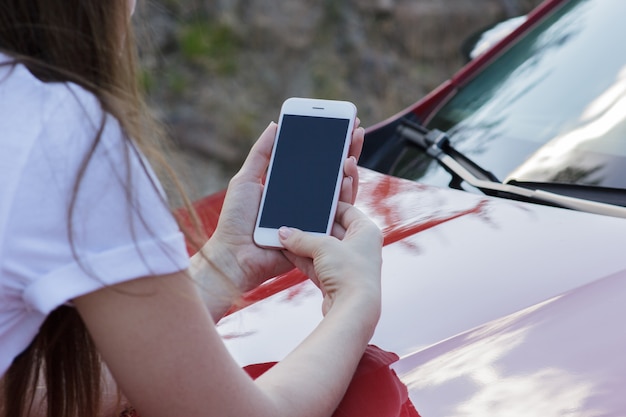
550	109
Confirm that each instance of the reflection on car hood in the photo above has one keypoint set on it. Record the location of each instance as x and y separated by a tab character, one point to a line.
467	275
560	357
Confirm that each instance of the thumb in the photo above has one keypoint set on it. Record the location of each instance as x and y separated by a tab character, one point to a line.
298	242
258	159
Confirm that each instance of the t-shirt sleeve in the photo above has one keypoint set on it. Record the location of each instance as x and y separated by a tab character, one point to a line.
119	227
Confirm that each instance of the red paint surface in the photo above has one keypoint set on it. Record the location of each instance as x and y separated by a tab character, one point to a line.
385	198
403	232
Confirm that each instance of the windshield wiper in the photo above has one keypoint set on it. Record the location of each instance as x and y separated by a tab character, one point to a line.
436	144
608	195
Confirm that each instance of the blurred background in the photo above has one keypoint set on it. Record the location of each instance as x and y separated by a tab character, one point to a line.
217	72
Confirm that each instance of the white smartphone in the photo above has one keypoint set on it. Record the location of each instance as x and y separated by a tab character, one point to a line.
306	168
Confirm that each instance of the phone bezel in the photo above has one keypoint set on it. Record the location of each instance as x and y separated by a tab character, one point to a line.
268	237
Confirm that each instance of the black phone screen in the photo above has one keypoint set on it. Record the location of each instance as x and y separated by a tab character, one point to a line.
304	173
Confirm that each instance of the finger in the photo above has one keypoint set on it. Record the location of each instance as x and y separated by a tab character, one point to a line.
350	171
303	264
346	193
338	231
356	145
258	159
347	215
299	243
358	226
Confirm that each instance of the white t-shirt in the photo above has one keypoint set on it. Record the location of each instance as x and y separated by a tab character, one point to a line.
45	131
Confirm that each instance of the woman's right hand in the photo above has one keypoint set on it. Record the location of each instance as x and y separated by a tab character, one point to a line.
344	268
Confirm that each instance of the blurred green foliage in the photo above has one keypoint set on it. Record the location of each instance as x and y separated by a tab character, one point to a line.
146	80
213	45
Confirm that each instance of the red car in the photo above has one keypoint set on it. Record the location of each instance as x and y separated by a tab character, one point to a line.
501	197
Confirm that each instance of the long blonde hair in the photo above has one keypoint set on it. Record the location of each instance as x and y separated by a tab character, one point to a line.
90	43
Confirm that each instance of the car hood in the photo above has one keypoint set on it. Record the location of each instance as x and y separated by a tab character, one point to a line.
560	357
473	287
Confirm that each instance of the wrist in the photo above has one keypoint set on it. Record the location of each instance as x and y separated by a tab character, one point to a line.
364	305
359	314
217	271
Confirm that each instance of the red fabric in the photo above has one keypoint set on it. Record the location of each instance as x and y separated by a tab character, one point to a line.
375	390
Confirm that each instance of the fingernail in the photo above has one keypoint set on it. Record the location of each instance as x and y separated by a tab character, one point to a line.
353	158
284	232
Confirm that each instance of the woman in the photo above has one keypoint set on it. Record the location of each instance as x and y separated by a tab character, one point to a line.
93	266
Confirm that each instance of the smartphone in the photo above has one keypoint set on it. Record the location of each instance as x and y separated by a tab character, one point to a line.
306	168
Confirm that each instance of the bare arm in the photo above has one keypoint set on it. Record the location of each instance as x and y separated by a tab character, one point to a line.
159	340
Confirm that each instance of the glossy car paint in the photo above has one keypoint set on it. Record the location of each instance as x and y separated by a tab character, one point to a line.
561	357
452	261
478	284
494	307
